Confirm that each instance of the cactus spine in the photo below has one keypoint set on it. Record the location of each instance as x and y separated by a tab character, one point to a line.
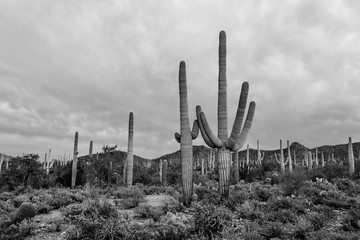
351	158
186	147
238	135
74	163
130	156
91	149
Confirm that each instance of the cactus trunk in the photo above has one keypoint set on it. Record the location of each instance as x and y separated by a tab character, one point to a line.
164	175
351	158
74	163
130	156
186	147
236	167
224	171
289	157
110	170
1	160
91	149
161	170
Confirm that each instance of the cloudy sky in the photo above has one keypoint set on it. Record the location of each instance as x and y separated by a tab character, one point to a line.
83	65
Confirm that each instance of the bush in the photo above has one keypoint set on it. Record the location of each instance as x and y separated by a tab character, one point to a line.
211	220
150	212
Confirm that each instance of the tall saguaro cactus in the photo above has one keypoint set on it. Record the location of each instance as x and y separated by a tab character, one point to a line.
186	147
351	158
238	134
130	154
74	163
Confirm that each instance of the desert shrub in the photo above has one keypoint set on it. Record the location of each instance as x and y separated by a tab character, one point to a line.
131	202
235	198
351	221
348	186
154	189
131	192
317	220
207	194
211	220
150	212
283	216
332	235
272	230
291	183
18	200
26	210
4	196
301	228
17	231
334	170
20	168
262	194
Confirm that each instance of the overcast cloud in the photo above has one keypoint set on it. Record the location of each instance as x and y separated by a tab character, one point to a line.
83	65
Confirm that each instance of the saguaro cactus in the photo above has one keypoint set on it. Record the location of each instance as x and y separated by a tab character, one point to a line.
351	158
1	160
110	171
236	167
164	172
260	156
160	170
91	149
74	163
130	156
238	135
281	160
186	147
289	157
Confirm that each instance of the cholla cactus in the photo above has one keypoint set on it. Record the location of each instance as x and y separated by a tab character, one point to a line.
351	158
130	156
238	135
74	163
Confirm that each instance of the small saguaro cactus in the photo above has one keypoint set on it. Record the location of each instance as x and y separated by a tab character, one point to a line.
351	158
185	137
164	172
289	157
238	135
322	160
130	154
310	161
1	160
110	171
91	149
160	170
44	166
260	156
316	157
74	163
